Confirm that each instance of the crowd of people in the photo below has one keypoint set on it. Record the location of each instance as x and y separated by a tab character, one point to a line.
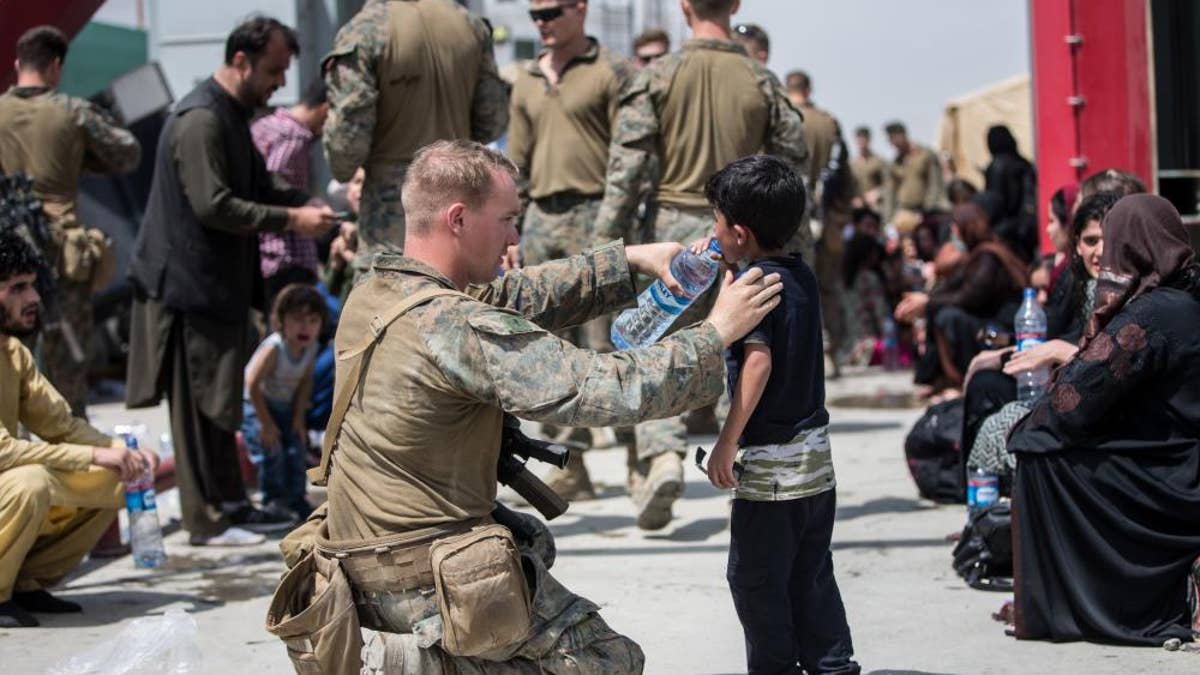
395	331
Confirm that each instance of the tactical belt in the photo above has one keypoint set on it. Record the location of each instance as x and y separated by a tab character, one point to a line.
561	202
394	563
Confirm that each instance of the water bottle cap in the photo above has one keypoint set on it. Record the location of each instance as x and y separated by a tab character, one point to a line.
1030	293
714	245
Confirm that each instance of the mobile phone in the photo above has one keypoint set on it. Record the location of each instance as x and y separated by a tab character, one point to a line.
738	469
346	216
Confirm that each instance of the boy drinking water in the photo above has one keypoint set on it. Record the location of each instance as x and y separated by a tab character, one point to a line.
780	567
278	389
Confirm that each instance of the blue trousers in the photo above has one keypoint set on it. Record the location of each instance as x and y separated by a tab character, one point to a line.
280	471
781	576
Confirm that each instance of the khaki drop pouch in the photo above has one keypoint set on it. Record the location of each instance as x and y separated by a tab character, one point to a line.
481	591
313	612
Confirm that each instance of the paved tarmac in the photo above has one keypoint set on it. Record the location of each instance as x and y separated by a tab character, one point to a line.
908	611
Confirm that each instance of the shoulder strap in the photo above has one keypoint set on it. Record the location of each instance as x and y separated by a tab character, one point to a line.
344	387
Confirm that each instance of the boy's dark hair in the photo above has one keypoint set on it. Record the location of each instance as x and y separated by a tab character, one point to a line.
296	298
895	128
1111	180
761	193
39	47
316	95
712	9
650	36
17	256
253	35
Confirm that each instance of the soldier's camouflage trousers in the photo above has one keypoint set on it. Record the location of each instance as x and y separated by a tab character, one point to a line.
73	301
568	637
547	235
381	216
684	226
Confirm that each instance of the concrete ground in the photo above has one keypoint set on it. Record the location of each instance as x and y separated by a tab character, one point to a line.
907	609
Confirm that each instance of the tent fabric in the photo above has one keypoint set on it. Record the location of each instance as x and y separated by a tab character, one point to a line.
962	132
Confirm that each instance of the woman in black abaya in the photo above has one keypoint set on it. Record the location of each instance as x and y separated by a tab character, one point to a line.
1107	503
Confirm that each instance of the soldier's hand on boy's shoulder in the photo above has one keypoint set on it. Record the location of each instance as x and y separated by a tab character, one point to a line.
720	465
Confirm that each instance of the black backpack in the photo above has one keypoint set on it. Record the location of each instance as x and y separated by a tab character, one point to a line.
932	449
983	556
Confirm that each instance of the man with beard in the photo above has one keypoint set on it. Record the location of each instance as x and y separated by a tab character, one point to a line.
195	268
58	494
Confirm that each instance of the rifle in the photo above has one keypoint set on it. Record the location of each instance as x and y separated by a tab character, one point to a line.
516	449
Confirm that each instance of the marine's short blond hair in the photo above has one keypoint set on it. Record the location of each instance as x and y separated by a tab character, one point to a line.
447	172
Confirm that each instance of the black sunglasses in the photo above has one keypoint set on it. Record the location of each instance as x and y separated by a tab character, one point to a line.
546	15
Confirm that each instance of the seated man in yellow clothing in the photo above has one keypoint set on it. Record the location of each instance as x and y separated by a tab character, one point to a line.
59	494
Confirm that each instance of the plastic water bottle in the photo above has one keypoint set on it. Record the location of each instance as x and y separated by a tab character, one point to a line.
891	345
658	307
1030	324
983	489
145	534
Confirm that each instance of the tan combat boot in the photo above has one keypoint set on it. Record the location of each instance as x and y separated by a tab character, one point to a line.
572	483
654	495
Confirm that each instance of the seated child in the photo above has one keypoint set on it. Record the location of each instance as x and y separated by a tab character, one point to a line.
278	388
780	567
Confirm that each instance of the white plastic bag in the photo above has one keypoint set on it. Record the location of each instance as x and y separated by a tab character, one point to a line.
149	645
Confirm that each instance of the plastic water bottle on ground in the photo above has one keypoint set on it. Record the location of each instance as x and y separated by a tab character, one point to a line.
658	307
1030	324
983	489
145	533
891	345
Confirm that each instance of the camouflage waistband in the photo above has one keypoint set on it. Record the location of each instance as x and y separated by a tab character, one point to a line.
800	468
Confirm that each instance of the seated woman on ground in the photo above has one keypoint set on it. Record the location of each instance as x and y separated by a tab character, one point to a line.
866	301
1106	521
985	290
991	377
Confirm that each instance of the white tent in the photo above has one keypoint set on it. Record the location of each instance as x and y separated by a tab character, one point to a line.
962	132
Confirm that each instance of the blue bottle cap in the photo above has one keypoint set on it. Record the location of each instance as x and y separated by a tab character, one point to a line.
714	245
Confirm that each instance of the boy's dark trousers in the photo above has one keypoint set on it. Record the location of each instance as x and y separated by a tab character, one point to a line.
781	575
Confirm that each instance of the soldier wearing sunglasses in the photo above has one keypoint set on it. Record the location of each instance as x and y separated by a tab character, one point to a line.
686	115
563	107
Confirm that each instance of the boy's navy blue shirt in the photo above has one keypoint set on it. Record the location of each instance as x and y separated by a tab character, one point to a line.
794	398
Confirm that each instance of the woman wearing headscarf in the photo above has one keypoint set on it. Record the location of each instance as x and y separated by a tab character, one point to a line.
1107	503
1013	181
990	406
985	289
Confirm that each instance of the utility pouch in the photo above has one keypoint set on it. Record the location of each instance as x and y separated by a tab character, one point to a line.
481	591
313	612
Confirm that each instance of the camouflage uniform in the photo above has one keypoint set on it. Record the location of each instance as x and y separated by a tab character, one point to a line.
643	153
420	439
375	75
54	138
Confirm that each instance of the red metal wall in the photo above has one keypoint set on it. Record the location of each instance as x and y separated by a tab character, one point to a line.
1110	69
69	16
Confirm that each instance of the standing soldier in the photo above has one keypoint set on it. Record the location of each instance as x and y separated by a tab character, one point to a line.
402	74
831	201
675	128
54	138
913	185
560	125
869	169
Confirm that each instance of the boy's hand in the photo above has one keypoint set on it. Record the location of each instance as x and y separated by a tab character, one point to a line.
720	465
700	246
269	434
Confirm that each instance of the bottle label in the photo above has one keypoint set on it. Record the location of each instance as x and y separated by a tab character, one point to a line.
140	500
666	300
1029	340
